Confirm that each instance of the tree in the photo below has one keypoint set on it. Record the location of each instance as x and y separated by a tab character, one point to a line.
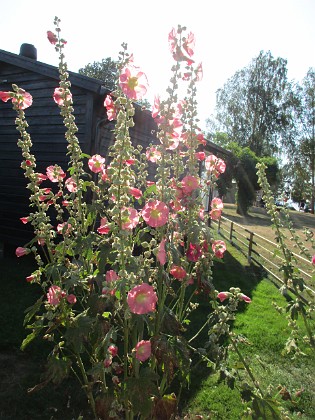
254	107
304	156
106	71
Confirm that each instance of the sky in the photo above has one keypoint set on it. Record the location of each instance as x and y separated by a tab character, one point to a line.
229	34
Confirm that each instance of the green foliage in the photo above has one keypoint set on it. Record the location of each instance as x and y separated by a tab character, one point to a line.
254	106
106	71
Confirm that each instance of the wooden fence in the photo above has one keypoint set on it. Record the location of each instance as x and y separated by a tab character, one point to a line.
261	250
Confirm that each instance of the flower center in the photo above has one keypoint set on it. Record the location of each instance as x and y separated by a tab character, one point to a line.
132	82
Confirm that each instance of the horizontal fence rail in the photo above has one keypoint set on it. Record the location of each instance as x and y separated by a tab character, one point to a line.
262	251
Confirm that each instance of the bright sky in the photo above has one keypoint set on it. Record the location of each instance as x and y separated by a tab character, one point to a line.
229	33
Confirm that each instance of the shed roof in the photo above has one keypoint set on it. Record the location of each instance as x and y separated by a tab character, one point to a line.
84	82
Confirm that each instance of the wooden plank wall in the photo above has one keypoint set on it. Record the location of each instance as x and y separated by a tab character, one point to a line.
49	145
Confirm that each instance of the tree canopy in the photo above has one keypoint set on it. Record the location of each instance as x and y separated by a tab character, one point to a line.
254	107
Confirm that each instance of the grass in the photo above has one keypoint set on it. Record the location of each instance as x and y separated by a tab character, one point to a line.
210	396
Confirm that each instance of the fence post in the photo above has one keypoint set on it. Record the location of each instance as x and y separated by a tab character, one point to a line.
250	247
231	232
219	225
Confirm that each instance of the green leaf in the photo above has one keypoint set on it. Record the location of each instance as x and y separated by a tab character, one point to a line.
79	330
140	391
28	340
32	310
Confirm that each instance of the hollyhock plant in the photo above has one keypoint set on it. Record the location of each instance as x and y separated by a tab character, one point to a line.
142	299
143	350
133	82
117	244
155	213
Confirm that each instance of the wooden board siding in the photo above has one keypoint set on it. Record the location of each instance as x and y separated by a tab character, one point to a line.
48	137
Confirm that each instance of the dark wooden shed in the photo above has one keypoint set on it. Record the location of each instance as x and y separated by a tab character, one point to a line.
47	131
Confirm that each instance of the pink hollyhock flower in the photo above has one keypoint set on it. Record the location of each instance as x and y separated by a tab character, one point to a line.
104	228
214	165
155	213
217	203
130	218
219	248
153	155
199	72
5	96
142	299
143	350
189	44
129	162
64	228
156	106
22	99
52	38
110	108
20	251
202	213
201	139
55	173
135	192
193	252
54	295
108	361
30	278
71	185
215	214
243	297
172	41
39	178
189	184
313	259
71	299
96	163
224	295
133	82
216	208
161	255
113	350
60	96
111	275
178	272
24	220
200	155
